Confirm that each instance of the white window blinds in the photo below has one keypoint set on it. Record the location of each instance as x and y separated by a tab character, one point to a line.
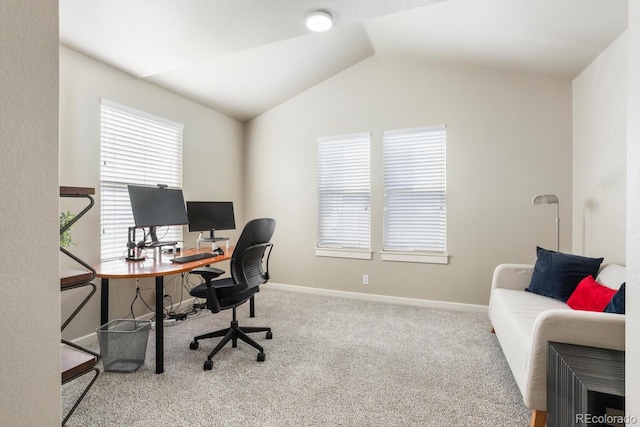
344	219
415	190
135	148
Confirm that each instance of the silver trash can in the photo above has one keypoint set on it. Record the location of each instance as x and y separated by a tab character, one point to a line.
123	344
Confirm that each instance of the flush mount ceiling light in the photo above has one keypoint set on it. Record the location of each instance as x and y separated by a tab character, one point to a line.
319	21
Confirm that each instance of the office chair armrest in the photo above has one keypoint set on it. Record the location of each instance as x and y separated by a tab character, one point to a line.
213	303
211	272
207	274
212	299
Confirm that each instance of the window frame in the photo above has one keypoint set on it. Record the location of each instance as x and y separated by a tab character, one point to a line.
425	180
136	148
344	175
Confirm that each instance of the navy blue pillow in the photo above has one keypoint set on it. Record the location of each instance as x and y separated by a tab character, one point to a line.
556	275
616	305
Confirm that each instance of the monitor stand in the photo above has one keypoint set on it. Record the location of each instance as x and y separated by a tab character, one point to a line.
212	240
134	248
160	244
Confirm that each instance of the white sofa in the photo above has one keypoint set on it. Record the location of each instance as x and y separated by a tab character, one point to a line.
525	322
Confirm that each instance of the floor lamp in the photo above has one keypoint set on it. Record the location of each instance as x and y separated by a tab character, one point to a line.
550	199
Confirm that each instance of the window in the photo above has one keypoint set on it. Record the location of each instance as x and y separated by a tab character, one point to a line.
135	148
415	191
344	218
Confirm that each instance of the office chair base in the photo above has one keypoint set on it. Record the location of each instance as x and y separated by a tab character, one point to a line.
233	334
208	364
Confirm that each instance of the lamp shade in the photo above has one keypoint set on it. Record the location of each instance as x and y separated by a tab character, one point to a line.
545	199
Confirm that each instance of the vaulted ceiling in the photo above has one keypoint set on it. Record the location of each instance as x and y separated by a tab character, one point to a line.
244	57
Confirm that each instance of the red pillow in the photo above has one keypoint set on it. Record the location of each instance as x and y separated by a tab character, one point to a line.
590	295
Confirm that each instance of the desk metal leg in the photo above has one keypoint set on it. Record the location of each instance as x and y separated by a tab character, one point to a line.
104	301
159	325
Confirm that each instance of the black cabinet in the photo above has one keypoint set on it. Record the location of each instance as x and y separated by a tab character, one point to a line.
585	386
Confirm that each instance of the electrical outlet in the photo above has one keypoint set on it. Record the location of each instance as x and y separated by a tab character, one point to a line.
365	279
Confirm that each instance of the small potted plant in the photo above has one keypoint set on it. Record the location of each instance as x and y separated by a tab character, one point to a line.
65	238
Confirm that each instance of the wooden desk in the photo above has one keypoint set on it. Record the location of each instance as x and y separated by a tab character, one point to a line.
158	268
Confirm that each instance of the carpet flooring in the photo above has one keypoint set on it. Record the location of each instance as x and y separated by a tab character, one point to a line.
332	362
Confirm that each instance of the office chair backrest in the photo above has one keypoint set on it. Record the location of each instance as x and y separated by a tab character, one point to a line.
253	270
255	232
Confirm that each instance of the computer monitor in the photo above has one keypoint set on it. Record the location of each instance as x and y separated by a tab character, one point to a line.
210	216
156	207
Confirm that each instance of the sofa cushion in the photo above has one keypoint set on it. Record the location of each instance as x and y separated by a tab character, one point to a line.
590	295
513	314
557	274
612	276
616	305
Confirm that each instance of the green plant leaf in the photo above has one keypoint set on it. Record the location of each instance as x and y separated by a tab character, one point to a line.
65	238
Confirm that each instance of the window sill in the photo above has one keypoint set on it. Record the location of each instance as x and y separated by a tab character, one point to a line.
344	253
415	257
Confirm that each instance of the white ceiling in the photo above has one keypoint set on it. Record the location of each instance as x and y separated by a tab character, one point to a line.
244	57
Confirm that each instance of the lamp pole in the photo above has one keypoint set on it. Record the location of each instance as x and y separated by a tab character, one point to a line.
558	226
550	199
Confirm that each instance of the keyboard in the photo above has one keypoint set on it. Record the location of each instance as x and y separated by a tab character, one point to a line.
195	257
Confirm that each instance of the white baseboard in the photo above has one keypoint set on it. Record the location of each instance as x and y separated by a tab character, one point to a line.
92	338
383	298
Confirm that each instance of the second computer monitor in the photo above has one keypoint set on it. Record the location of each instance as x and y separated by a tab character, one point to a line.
210	216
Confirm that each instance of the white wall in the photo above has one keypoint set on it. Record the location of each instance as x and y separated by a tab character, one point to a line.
633	216
508	138
607	177
30	356
599	156
212	165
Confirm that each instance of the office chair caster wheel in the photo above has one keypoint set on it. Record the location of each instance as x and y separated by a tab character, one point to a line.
194	345
269	335
208	365
261	357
